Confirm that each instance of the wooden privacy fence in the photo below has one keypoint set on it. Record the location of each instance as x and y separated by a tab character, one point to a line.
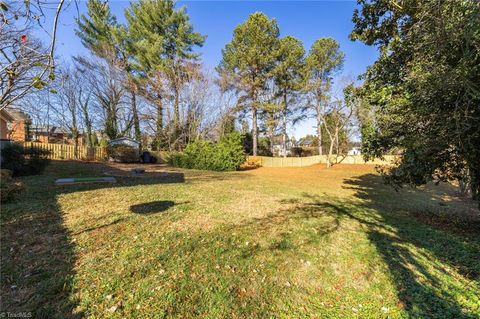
67	152
266	161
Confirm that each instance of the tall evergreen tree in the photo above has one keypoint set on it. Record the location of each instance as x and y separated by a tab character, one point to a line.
323	60
288	76
248	61
96	32
163	46
96	29
104	37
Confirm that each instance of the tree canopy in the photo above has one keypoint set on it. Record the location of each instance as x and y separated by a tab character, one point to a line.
160	34
96	29
322	62
424	88
248	60
289	79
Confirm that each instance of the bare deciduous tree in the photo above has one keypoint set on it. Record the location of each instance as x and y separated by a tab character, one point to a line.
25	65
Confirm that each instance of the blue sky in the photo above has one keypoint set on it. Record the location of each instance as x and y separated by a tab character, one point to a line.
305	20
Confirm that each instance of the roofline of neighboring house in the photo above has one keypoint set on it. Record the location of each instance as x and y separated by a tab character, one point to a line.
124	138
17	114
42	129
6	116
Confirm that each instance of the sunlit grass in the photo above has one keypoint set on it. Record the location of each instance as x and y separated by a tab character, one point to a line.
267	243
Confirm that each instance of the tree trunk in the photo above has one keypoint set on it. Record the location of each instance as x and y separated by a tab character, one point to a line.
336	144
271	137
159	122
176	111
88	123
136	121
75	143
474	173
319	127
284	137
254	130
336	141
89	134
74	130
330	151
110	126
176	121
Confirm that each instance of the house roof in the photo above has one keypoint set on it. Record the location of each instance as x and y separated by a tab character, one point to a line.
305	142
16	114
4	114
120	139
49	129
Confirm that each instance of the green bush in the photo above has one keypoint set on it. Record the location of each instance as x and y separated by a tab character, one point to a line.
227	155
123	153
24	160
263	147
229	152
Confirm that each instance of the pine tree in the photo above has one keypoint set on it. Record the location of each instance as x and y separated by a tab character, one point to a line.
96	29
248	61
288	75
163	47
323	60
104	37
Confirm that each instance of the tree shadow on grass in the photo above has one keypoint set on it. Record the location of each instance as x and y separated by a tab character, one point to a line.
431	249
154	207
239	270
434	265
37	251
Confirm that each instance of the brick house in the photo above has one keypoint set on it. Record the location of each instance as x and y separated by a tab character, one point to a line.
5	119
14	125
17	126
54	134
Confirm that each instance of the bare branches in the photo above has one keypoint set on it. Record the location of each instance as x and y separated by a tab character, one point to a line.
25	64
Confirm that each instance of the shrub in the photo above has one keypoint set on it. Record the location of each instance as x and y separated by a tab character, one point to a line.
175	159
227	155
251	163
309	152
298	151
8	186
263	147
24	160
123	153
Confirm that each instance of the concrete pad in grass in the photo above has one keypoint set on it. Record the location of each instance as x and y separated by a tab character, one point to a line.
80	180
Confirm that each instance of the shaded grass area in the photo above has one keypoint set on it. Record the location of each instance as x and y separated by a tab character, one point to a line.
302	243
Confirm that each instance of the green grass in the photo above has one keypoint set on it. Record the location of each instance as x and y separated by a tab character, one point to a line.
267	243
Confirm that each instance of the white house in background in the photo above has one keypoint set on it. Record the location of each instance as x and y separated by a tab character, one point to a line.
354	151
125	141
277	146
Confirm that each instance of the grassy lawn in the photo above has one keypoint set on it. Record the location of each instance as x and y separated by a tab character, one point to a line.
266	243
